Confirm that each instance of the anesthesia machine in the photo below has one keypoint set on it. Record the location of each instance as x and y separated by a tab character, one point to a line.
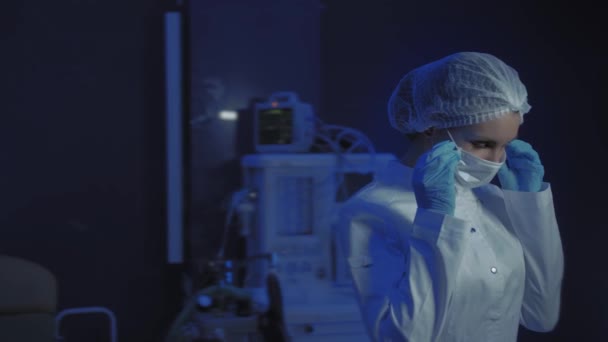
292	189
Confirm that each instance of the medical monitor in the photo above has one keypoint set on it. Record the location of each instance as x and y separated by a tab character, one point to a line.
284	124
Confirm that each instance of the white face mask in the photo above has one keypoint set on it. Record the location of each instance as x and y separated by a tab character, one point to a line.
473	171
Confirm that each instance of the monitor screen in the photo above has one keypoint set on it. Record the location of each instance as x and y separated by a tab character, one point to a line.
275	126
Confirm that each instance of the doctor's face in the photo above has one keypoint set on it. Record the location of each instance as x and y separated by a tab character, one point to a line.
488	140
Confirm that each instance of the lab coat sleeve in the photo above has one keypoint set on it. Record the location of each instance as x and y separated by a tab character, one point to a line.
533	218
402	285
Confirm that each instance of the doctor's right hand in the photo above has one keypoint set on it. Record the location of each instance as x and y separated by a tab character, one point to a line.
434	179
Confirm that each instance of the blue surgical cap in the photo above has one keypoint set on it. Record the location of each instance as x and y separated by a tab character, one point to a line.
461	89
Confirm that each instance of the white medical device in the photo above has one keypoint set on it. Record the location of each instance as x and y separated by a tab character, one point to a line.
283	124
297	201
297	196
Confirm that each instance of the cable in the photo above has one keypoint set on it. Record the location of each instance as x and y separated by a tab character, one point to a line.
236	199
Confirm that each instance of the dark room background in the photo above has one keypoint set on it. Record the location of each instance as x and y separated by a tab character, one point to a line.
83	187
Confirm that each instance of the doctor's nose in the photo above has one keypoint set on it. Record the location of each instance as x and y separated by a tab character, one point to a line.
496	155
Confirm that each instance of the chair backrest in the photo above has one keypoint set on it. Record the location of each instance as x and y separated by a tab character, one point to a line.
28	301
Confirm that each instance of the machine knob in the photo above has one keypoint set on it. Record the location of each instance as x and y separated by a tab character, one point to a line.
205	301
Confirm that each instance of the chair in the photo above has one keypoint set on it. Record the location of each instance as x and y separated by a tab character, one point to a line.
28	303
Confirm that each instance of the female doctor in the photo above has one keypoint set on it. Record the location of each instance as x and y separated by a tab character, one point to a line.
436	251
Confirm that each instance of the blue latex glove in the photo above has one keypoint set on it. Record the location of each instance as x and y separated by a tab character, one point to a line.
434	179
523	170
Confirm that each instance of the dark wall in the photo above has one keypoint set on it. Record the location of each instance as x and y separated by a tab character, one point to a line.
368	46
83	157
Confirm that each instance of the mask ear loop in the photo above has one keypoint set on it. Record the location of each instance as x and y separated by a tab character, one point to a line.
451	138
456	147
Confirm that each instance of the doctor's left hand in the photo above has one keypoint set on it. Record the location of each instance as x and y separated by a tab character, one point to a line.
523	170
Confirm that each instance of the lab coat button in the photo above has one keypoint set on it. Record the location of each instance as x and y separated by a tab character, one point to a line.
493	270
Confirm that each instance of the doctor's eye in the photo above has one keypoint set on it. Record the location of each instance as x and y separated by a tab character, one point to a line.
482	144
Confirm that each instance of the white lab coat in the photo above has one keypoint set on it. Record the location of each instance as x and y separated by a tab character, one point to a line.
422	276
